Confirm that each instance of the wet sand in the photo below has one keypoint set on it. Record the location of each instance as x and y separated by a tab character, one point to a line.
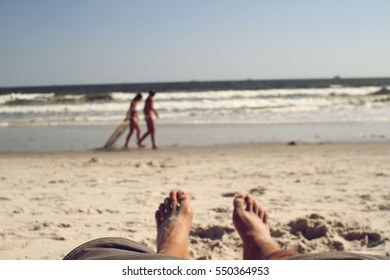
90	137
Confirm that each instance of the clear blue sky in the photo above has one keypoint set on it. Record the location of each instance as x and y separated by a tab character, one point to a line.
47	42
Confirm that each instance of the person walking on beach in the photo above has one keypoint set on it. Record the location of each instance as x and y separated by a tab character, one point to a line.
148	111
132	116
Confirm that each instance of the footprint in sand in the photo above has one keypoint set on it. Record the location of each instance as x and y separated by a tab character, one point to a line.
18	211
45	224
211	232
311	227
386	197
96	160
63	225
384	207
258	191
54	236
365	197
332	233
229	194
125	181
220	210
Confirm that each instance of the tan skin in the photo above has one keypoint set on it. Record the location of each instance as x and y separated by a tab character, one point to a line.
149	111
251	220
174	221
132	115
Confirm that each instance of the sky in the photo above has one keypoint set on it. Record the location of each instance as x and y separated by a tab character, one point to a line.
58	42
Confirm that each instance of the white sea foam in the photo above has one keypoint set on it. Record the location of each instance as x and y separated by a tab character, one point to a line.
268	92
333	104
19	96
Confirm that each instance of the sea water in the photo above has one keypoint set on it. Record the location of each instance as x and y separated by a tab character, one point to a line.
192	114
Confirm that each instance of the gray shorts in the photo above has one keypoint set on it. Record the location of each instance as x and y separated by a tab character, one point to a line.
115	248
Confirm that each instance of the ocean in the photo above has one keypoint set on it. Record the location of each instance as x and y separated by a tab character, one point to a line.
198	113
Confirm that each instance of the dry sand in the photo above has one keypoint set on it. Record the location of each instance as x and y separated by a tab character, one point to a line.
320	197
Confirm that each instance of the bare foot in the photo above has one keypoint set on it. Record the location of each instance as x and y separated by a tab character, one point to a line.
174	221
126	148
155	148
140	145
250	219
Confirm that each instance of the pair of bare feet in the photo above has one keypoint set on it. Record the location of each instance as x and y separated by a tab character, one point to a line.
250	218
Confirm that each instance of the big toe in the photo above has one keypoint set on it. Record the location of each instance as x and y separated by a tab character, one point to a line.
183	200
239	202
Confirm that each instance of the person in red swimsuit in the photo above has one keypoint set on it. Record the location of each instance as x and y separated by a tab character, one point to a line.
132	116
149	111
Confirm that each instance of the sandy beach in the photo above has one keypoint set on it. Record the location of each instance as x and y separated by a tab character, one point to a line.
321	197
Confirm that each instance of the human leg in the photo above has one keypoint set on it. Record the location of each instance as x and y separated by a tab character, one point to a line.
138	130
131	130
143	137
152	129
174	221
251	220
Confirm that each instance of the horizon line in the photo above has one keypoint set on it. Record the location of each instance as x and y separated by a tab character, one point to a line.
336	78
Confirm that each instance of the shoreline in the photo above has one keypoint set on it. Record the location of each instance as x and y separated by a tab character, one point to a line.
249	145
86	138
54	201
148	152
